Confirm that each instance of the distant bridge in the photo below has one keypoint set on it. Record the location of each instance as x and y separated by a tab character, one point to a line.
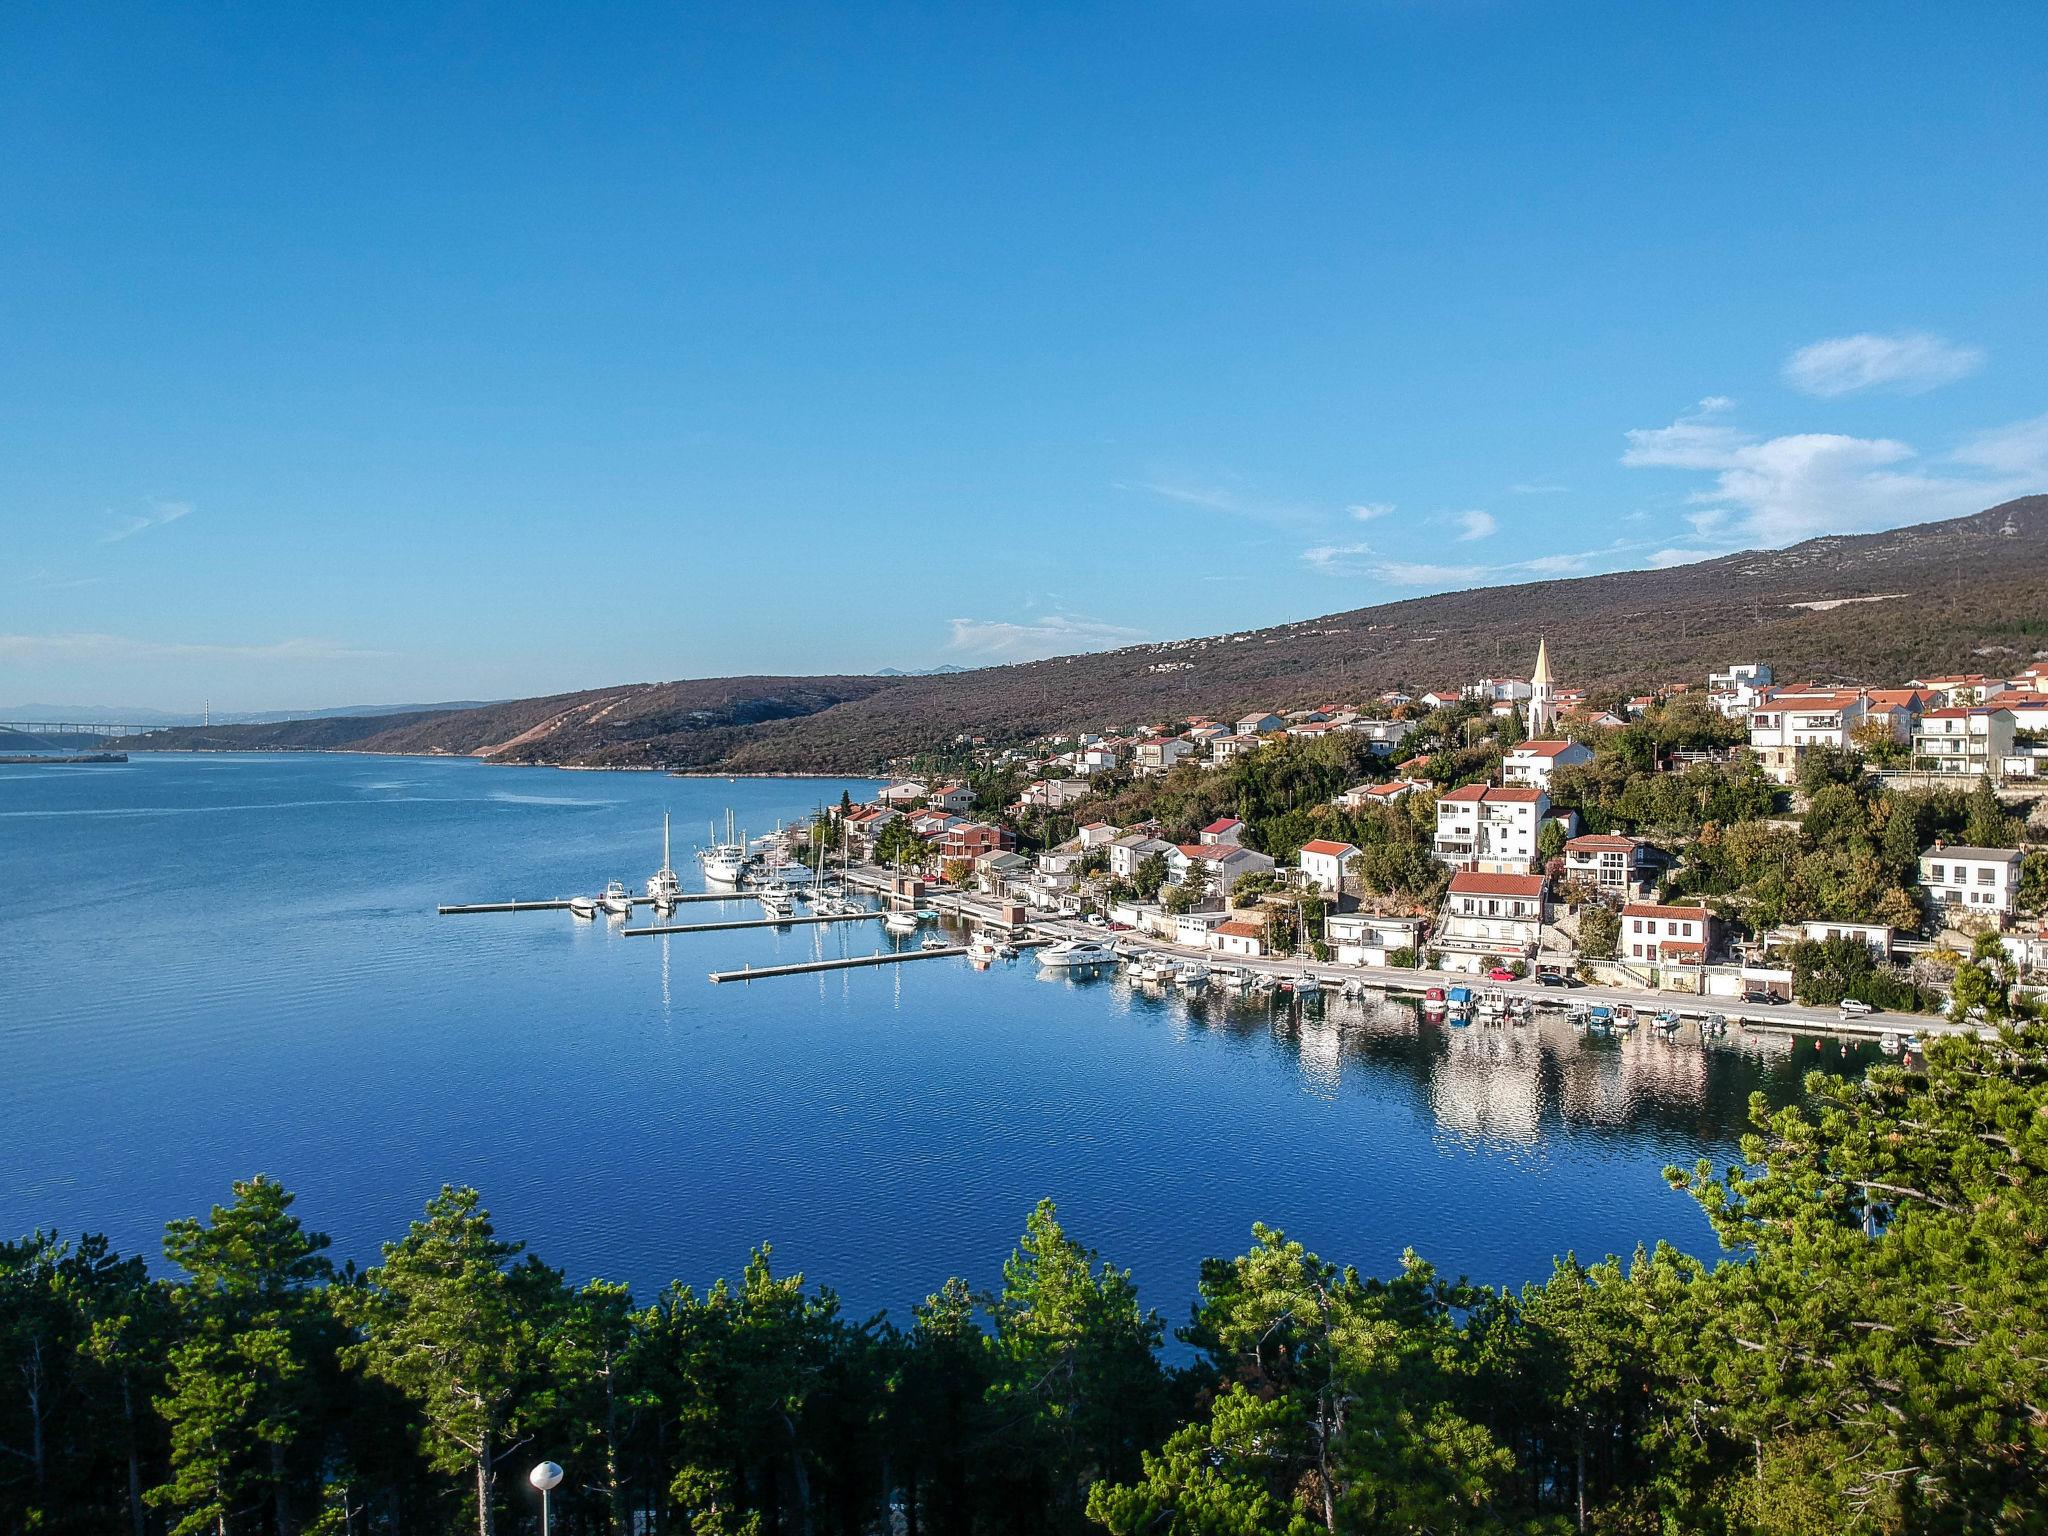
73	728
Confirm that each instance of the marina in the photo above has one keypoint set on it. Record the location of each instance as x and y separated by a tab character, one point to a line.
347	1038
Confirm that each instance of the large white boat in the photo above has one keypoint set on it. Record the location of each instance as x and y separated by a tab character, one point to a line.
663	885
616	901
777	900
584	907
723	863
1072	954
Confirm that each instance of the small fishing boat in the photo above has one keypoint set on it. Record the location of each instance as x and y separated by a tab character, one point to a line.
1888	1042
1909	1042
898	921
984	948
1354	987
584	907
1192	974
1433	1000
615	900
1579	1015
1666	1020
1307	984
1714	1025
1600	1018
1624	1016
934	941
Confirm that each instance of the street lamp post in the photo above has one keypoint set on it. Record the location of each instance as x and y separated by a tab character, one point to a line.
544	1477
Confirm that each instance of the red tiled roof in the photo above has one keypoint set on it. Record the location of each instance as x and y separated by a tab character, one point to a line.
1653	909
1242	930
1223	824
1543	748
1467	792
1515	794
1598	842
1325	846
1496	885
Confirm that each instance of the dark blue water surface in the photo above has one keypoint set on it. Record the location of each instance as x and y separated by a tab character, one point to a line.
213	965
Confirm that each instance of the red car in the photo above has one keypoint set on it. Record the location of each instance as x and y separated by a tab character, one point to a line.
1501	973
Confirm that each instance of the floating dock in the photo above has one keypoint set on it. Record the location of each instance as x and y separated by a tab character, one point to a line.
804	968
562	905
756	922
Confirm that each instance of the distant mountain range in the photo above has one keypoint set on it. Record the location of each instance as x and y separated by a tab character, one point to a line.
946	669
1966	595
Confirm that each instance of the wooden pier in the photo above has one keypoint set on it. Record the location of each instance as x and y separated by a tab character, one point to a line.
562	905
805	967
755	922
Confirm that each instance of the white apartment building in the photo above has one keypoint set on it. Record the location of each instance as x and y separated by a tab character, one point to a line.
1969	742
1359	938
1533	762
1974	879
1740	688
1788	723
1612	864
1490	830
1490	914
1321	862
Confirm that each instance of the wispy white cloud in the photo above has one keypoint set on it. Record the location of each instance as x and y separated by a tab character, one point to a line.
1053	634
1537	488
1474	525
121	648
1414	573
159	513
1228	499
1909	363
1370	511
1778	490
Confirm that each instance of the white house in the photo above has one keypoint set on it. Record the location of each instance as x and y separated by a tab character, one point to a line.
1238	938
1654	933
952	797
1385	736
1097	834
1360	796
1958	691
1224	829
1533	762
1051	794
1259	724
1490	830
1126	853
1875	937
1974	879
1156	754
1490	914
1968	741
1226	863
902	792
1613	865
1738	689
1321	862
1194	928
1789	723
1359	938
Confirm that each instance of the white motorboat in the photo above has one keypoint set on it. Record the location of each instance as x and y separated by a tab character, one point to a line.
1158	970
900	922
723	863
1074	954
1192	974
934	941
615	900
663	885
1307	985
584	907
1353	987
777	900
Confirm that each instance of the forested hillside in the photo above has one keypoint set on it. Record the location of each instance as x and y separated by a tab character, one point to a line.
1970	594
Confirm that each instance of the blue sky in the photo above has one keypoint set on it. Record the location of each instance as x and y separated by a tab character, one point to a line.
361	354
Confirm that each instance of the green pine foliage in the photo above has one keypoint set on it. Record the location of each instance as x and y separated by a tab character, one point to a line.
1871	1356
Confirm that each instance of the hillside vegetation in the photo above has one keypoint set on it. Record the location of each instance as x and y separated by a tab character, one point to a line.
1958	596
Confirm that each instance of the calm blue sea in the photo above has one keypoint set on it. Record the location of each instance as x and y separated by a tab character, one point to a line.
215	965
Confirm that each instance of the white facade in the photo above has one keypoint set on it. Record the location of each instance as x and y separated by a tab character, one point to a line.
1533	762
1359	938
1322	864
1652	933
1974	879
1786	725
1490	830
1490	914
1968	743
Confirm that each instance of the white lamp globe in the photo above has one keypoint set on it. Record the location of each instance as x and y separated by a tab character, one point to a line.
545	1476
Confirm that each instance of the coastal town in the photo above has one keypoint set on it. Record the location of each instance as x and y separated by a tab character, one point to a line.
1730	837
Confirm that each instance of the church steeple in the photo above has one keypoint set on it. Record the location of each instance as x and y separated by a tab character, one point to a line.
1541	710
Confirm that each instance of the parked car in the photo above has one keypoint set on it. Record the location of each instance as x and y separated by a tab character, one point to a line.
1501	973
1855	1008
1762	997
